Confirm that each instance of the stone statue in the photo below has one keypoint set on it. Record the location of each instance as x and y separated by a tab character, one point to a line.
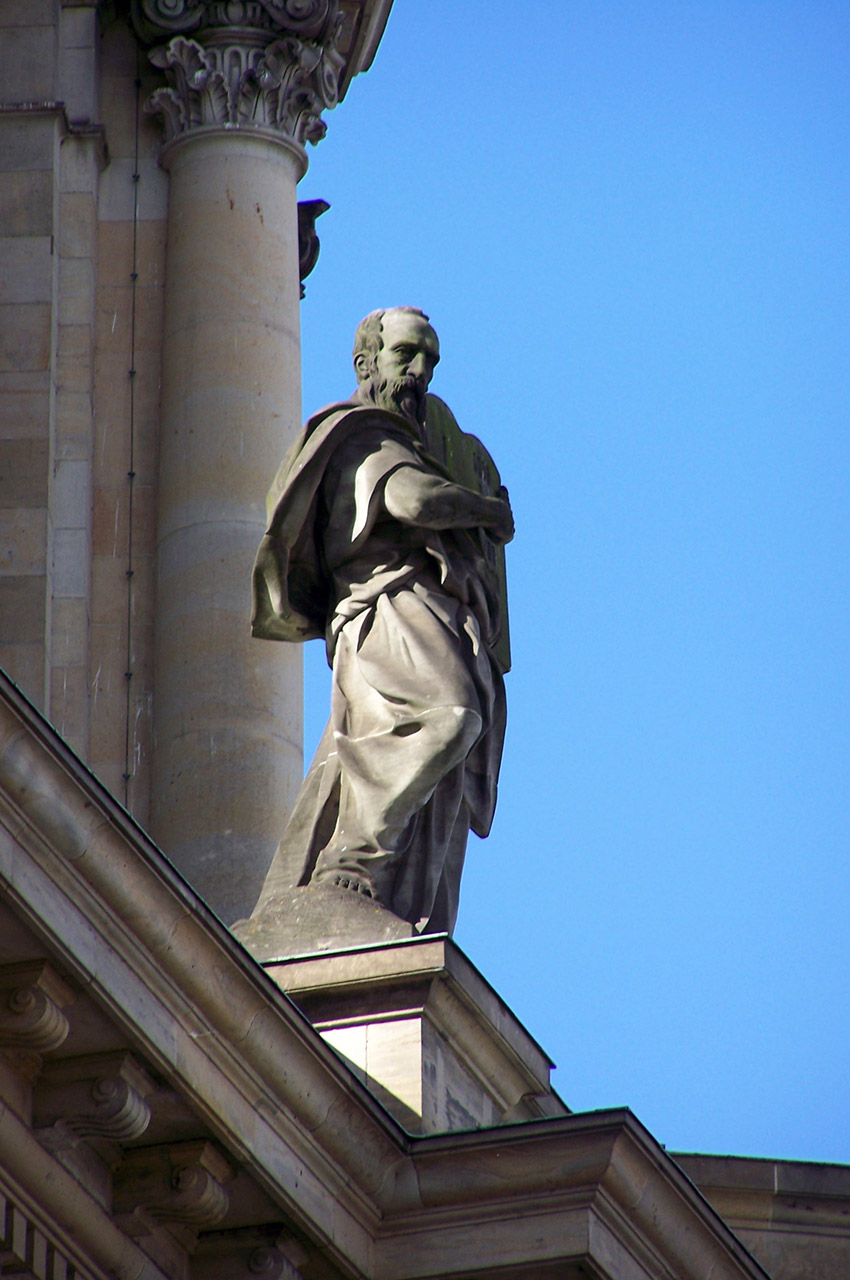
374	546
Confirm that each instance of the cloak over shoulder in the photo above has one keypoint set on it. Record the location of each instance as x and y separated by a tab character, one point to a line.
290	585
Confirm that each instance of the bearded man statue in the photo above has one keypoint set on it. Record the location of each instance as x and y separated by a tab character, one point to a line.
374	546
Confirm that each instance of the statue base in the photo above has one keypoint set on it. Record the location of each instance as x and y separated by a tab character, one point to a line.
425	1032
315	917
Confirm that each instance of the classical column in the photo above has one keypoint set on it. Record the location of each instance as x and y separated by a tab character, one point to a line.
246	83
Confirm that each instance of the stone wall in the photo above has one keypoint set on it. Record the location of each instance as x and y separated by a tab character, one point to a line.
76	226
131	227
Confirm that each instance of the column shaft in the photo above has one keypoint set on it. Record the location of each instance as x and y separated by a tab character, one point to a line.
227	714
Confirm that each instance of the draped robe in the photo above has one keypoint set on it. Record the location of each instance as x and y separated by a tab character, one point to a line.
410	758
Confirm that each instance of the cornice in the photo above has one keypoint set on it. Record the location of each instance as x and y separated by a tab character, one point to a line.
123	922
79	1230
80	131
116	919
598	1179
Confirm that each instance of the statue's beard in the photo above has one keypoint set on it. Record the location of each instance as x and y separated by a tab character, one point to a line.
403	395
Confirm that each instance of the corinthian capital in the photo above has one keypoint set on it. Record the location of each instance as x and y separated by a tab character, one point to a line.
270	65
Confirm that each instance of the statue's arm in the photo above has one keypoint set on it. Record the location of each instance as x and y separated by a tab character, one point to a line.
415	497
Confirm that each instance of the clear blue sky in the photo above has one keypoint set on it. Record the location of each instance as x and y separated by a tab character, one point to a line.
629	225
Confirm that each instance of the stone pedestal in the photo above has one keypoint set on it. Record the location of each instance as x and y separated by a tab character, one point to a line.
425	1032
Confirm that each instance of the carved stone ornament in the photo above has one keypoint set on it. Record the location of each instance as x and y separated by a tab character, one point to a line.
272	65
32	997
240	1257
100	1097
181	1183
308	240
154	19
273	1263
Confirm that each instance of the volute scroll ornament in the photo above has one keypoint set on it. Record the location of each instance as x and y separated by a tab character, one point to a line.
156	19
32	998
243	1255
272	65
183	1183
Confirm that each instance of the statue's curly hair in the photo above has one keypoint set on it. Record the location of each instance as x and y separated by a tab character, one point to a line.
369	339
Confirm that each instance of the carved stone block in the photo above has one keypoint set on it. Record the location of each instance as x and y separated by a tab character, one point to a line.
85	1108
249	1255
178	1185
32	997
99	1096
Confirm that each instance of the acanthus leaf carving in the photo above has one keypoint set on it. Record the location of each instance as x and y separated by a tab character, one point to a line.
244	77
199	94
279	92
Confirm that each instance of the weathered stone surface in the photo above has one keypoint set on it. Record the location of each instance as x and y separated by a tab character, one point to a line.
27	141
27	58
26	269
314	918
77	225
69	705
71	493
428	1035
24	406
36	13
24	337
792	1215
227	760
245	1085
118	193
22	609
23	540
69	642
24	664
76	291
26	203
409	761
71	560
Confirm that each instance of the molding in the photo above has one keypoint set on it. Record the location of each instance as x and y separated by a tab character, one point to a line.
82	131
464	1032
366	20
757	1194
121	921
156	20
68	1224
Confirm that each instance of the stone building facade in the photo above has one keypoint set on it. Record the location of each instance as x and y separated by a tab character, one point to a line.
166	1110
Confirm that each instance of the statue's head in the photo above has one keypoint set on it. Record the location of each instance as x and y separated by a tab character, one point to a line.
395	352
